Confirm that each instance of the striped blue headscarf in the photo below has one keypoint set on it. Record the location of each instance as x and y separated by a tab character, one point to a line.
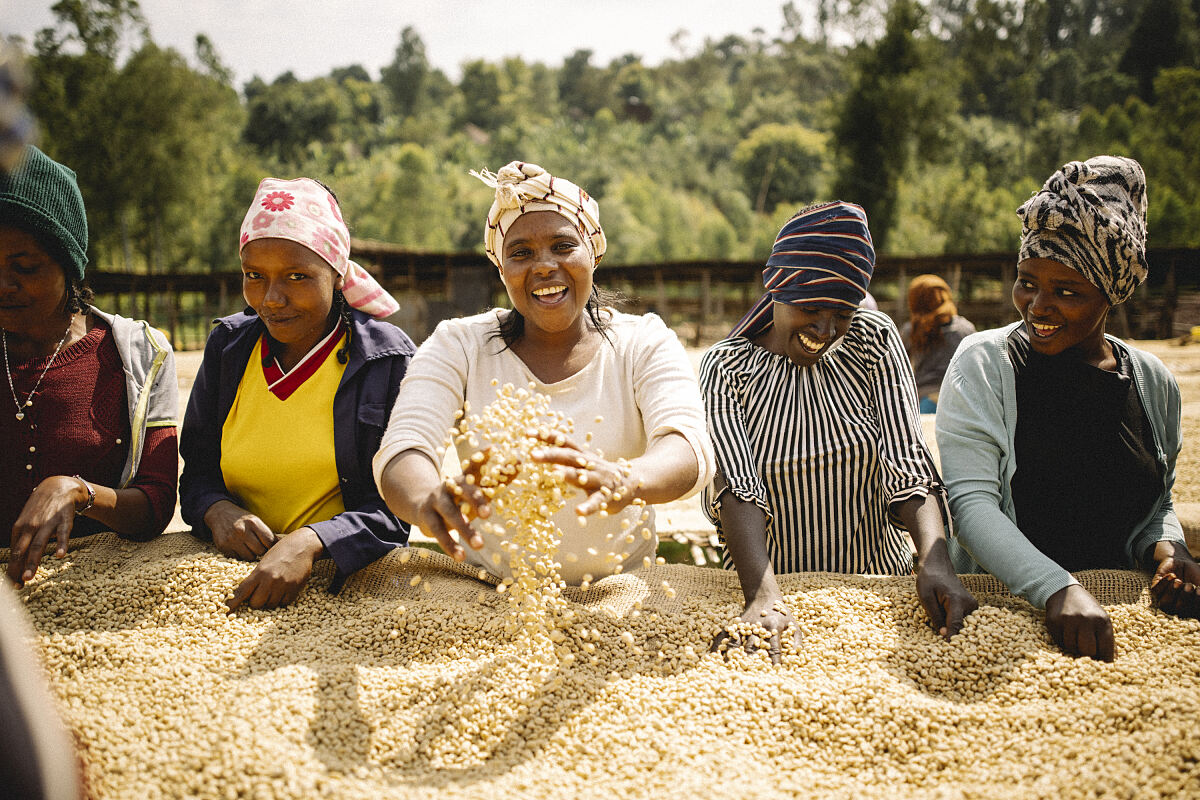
823	257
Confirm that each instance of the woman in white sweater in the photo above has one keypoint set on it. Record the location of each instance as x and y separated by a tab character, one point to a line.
624	379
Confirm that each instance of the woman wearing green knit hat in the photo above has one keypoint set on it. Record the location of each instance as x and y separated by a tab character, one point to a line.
92	403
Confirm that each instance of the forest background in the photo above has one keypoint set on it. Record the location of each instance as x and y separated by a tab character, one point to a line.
939	117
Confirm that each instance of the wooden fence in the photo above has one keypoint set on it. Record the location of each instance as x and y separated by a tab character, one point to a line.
700	300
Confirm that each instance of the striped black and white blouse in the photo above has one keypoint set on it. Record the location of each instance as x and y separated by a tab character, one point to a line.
828	451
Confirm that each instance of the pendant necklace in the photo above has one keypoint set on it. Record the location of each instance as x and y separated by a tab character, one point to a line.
29	397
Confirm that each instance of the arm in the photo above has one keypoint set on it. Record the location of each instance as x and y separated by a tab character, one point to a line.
668	397
407	466
945	599
741	504
972	441
914	488
201	484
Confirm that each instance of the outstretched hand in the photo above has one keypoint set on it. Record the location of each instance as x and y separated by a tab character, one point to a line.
49	513
610	486
946	600
1080	625
776	619
1175	586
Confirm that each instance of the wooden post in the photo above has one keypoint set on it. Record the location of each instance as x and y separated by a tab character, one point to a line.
705	304
901	305
173	316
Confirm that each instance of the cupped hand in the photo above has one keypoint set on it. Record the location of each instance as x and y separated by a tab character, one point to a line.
1079	625
1175	586
774	617
238	533
281	574
609	486
946	600
49	513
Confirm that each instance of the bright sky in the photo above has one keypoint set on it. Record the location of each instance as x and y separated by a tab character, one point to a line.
310	37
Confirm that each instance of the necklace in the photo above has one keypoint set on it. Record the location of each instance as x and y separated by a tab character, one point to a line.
29	397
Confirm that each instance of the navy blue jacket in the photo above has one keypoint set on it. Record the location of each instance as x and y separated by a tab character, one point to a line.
378	358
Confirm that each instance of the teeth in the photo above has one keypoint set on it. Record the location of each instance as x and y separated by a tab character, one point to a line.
1044	330
549	290
809	344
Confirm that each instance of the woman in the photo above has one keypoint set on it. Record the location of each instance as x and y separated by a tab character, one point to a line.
306	356
90	437
623	379
812	408
1058	441
931	335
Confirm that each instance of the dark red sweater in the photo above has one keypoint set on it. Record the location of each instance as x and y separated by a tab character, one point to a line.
79	424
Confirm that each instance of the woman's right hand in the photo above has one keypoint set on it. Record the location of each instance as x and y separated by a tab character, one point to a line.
770	614
1079	625
451	506
236	532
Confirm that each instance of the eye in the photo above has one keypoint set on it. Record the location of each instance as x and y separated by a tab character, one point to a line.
1024	284
250	275
1067	293
297	276
566	245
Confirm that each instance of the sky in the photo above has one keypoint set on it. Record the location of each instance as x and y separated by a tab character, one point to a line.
269	37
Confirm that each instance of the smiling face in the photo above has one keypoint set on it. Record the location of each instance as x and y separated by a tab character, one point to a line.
547	270
805	333
33	286
291	289
1061	309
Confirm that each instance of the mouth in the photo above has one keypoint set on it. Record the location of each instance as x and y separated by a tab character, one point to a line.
810	346
550	294
1042	330
279	320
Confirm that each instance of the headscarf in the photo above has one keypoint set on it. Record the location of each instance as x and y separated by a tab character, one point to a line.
42	197
303	211
822	257
930	306
1091	216
521	188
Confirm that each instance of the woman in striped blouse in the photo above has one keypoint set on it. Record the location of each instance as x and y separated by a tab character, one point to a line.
813	412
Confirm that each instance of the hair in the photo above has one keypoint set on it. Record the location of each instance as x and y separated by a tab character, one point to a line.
79	295
512	327
343	311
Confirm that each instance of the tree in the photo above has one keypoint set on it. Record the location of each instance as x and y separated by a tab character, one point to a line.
406	76
894	105
781	164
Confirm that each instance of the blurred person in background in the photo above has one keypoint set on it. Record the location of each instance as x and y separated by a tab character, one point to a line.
931	335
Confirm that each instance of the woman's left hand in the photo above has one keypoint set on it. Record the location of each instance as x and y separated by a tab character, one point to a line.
48	513
1175	586
609	486
946	600
281	573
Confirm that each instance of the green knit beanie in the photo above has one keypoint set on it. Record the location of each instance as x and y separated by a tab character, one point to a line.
42	197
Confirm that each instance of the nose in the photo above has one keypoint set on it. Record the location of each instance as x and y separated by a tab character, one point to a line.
824	324
1040	303
275	296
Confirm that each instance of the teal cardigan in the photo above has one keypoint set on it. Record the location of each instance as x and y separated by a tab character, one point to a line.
976	426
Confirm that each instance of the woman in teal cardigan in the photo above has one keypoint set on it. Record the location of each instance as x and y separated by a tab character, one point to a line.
1058	442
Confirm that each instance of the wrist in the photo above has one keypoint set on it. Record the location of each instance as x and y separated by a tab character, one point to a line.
305	541
88	499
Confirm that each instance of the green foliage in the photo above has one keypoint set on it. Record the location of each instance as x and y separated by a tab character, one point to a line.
781	164
939	116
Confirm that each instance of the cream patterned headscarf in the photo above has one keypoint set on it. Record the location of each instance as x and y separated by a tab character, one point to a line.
521	188
1091	216
304	212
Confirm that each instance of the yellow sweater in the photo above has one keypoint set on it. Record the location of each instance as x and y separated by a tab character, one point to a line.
277	456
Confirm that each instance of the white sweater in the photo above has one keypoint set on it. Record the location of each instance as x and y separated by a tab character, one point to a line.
642	386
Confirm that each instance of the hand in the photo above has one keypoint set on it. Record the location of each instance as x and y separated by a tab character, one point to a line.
451	506
945	599
771	615
236	532
609	486
48	513
1175	586
1079	625
279	577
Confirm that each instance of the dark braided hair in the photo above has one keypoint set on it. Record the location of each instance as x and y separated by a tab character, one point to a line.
79	295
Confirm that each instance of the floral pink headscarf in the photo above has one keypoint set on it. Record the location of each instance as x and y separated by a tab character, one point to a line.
303	211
